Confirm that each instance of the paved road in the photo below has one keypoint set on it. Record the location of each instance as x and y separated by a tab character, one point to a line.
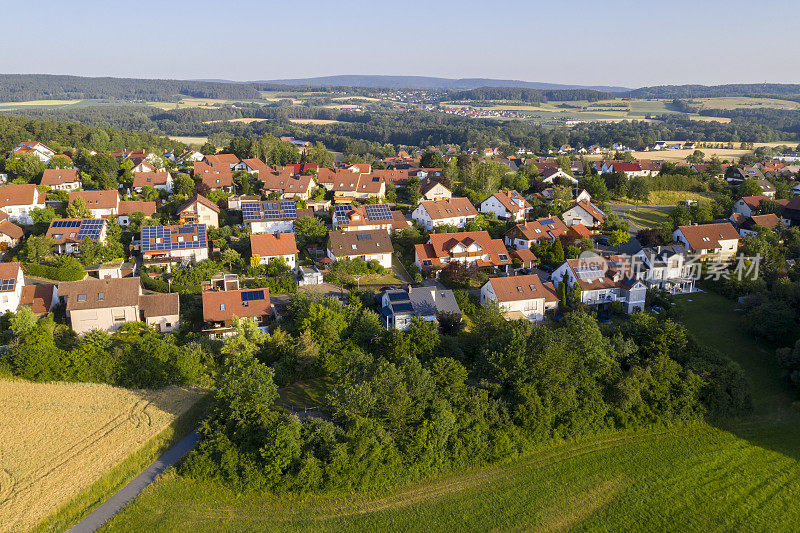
126	494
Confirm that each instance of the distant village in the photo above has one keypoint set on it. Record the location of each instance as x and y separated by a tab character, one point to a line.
361	226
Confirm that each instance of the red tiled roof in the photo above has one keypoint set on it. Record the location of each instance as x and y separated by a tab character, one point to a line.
707	236
151	179
97	199
448	208
58	176
512	201
12	230
222	306
213	177
222	160
128	207
517	288
268	245
17	194
38	298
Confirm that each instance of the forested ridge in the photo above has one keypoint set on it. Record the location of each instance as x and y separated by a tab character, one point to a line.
529	95
23	87
715	91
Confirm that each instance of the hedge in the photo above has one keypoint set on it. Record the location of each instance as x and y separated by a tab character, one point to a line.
52	272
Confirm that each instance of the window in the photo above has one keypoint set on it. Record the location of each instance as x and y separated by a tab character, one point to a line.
101	296
221	307
81	297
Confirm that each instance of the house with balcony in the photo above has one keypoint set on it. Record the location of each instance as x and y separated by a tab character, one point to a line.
602	281
165	245
717	242
476	249
223	302
449	211
399	307
521	296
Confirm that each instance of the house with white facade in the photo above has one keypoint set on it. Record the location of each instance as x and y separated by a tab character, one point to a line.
719	241
602	281
526	234
17	200
367	244
161	181
450	211
430	189
666	267
399	307
268	247
520	296
272	217
99	203
12	281
507	205
166	245
585	213
476	249
69	233
62	179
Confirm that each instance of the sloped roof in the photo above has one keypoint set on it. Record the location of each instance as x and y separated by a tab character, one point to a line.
269	245
512	201
222	306
97	199
38	298
199	198
517	288
150	179
58	176
159	304
363	242
9	228
100	293
17	194
706	236
448	208
128	207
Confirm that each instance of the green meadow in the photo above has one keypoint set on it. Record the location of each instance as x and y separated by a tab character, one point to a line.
740	474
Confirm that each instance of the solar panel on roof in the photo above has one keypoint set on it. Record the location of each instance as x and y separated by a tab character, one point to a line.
364	237
547	221
378	212
405	306
251	296
395	296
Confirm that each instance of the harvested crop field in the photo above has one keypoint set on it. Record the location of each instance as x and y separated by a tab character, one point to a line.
59	438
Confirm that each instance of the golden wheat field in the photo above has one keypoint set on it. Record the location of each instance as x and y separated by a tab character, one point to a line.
56	439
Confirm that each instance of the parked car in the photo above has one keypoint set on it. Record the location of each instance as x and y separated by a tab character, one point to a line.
602	240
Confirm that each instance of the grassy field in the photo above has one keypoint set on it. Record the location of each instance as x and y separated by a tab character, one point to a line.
191	141
743	474
308	393
57	439
648	217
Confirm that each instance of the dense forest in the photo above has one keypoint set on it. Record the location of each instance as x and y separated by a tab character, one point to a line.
715	91
23	87
62	136
529	95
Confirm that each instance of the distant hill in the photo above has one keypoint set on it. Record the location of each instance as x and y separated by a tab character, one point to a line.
715	91
426	82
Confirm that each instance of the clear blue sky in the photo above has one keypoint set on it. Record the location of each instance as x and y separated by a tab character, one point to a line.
628	43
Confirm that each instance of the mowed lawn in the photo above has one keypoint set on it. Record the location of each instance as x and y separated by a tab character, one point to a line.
740	475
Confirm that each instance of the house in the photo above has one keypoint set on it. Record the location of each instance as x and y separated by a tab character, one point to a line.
520	296
221	161
272	217
578	194
507	205
523	236
199	210
142	165
99	203
287	186
748	205
301	168
108	303
631	169
602	281
219	177
12	281
10	234
400	306
40	298
223	303
430	189
579	232
173	244
451	211
127	208
62	179
767	187
369	216
190	156
268	246
161	181
18	200
36	148
348	186
116	268
666	267
718	241
69	233
791	212
308	275
476	249
160	311
253	166
367	244
750	226
585	213
550	175
747	172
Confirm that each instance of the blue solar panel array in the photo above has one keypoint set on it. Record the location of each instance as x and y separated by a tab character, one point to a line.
547	221
251	296
91	228
165	234
252	211
376	212
66	224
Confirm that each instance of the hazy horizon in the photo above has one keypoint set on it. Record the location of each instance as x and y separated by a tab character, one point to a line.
624	44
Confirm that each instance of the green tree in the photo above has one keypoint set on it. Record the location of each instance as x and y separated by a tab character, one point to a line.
37	248
183	185
208	149
230	257
25	168
638	190
77	209
309	229
432	159
618	237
